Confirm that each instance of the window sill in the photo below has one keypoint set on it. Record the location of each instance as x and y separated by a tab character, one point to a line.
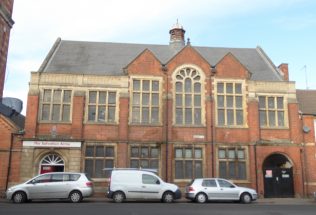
101	123
232	126
189	126
142	125
54	122
274	128
182	180
100	179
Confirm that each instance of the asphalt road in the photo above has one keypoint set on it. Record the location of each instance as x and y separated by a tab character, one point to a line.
156	208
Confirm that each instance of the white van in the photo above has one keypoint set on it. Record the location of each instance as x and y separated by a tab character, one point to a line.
134	184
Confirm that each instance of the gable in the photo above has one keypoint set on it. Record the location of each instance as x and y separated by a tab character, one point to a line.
230	67
189	55
144	64
7	124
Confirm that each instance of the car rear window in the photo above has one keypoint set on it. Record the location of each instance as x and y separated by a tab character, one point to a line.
191	182
74	177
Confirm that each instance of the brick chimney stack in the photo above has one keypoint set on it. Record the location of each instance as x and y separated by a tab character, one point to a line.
284	67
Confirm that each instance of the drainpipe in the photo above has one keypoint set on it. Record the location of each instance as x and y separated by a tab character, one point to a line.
213	72
256	159
256	169
164	69
213	136
9	161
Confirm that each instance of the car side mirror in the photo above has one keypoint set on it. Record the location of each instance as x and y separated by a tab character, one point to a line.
232	186
157	182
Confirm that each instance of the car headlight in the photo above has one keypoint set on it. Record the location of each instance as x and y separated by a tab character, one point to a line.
10	189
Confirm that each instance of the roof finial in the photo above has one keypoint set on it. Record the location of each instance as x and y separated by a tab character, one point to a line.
188	41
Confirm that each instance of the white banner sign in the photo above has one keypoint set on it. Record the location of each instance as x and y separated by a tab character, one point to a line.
55	144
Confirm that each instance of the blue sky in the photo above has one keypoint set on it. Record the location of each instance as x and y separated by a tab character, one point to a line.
285	29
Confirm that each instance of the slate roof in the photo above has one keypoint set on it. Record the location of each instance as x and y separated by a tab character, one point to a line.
17	118
101	58
307	101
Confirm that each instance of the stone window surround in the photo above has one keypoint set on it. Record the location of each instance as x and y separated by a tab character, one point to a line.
285	108
95	144
246	150
189	146
160	104
41	103
107	91
203	92
244	103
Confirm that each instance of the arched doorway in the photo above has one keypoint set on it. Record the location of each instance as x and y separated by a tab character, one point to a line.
52	163
278	177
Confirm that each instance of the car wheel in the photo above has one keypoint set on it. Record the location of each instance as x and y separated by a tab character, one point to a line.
75	196
200	198
118	197
19	197
167	197
245	198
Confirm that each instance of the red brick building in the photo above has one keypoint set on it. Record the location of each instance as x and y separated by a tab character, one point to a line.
187	111
307	104
6	23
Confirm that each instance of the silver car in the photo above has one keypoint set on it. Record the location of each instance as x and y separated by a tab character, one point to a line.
56	185
204	189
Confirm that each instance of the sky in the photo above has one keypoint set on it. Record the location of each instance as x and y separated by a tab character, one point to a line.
284	29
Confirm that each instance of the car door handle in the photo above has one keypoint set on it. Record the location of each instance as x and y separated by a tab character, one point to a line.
143	186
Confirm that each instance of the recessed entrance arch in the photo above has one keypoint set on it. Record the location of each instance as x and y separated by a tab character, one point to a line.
52	163
278	177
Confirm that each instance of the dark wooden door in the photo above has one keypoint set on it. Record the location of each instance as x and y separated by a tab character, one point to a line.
278	183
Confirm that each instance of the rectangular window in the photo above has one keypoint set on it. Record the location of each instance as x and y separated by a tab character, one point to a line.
102	106
145	101
56	105
271	111
144	157
232	163
188	162
98	157
230	108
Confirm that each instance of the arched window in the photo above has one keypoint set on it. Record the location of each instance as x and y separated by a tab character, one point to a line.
188	101
52	163
53	160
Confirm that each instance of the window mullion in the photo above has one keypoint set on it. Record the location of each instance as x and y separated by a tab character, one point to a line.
51	105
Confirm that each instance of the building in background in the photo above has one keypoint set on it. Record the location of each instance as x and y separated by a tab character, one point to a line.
6	23
187	111
307	103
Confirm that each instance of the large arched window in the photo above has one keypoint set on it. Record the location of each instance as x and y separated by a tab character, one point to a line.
188	97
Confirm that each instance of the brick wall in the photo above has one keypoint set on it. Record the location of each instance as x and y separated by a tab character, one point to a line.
10	152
